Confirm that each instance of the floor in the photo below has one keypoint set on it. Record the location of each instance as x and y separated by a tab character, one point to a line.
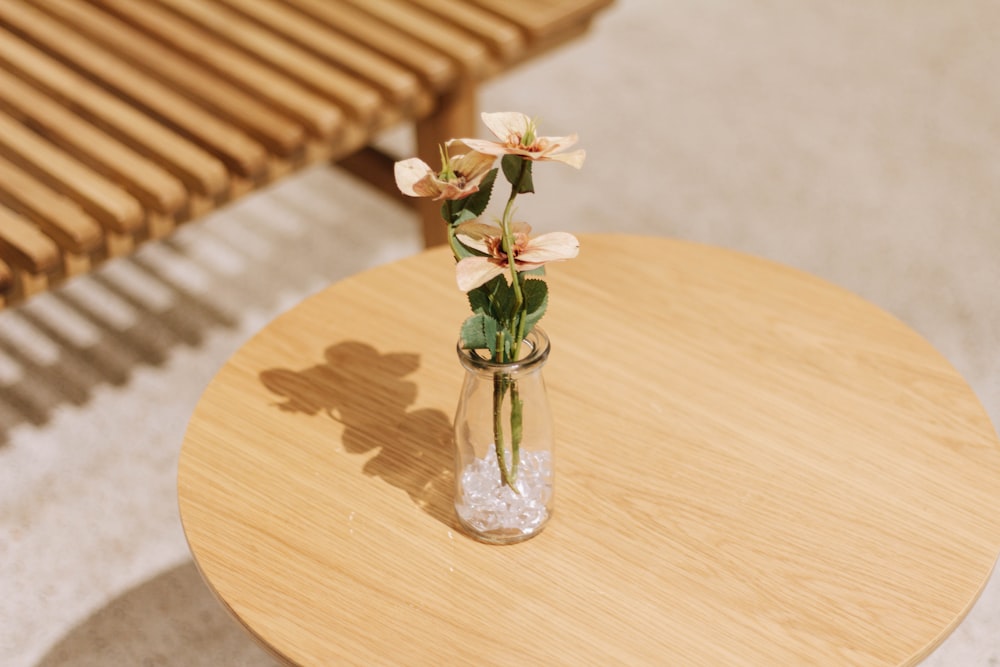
857	140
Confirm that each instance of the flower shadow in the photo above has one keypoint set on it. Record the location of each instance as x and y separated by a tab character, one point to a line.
369	393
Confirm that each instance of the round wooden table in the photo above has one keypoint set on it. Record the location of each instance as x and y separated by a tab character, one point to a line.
754	467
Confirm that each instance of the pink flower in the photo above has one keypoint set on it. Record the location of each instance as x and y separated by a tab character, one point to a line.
518	136
459	177
529	253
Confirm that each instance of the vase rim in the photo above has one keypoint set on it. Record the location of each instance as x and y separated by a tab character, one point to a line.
536	339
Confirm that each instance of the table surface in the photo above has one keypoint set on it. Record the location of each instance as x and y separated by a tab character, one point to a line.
754	467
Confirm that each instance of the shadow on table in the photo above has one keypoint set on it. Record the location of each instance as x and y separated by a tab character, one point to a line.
172	619
369	394
257	256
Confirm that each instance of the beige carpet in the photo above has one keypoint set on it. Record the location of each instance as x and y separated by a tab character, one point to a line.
857	140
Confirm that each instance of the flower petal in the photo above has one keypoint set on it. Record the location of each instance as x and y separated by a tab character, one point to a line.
474	234
551	247
574	159
485	147
472	272
410	172
473	166
520	228
446	190
553	144
506	124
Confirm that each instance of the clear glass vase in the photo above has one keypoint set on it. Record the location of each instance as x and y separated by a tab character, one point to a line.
504	494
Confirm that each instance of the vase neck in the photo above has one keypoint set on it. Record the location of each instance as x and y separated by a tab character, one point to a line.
534	353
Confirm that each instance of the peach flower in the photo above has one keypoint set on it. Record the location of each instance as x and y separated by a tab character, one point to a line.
459	177
529	253
518	136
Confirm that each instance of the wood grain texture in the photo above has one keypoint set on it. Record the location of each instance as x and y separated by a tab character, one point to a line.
24	245
60	218
146	115
754	468
544	18
100	197
280	134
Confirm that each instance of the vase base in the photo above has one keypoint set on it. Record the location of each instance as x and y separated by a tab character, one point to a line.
501	535
493	512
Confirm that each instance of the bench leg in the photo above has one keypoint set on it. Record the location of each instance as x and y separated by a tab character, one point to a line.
454	117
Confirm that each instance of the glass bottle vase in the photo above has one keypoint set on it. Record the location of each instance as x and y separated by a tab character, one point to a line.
504	494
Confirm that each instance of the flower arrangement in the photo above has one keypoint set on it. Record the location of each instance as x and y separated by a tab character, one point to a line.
498	264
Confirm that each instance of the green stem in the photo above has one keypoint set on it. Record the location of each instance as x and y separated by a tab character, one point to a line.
516	427
518	320
448	213
508	247
498	392
500	384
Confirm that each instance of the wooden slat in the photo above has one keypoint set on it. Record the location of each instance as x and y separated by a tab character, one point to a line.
153	186
238	151
104	200
543	19
23	246
395	43
400	86
322	117
503	38
282	135
470	53
360	99
121	118
200	170
59	217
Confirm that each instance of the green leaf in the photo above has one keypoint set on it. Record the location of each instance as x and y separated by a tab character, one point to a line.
535	273
480	332
465	215
479	300
536	300
518	171
462	210
502	300
477	202
460	250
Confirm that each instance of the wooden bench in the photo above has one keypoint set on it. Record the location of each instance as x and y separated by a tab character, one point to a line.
120	119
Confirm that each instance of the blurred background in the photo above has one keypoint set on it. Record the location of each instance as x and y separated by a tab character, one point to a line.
859	141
